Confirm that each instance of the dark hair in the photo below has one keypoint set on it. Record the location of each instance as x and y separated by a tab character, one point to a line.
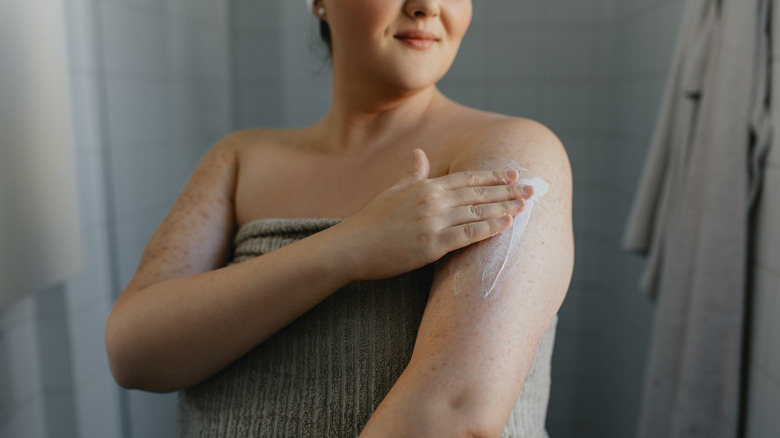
325	35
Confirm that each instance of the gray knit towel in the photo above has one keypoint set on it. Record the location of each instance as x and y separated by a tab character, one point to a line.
325	373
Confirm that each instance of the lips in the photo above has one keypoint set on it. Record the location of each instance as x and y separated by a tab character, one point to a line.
418	39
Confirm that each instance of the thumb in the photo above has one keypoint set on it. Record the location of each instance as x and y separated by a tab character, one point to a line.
420	171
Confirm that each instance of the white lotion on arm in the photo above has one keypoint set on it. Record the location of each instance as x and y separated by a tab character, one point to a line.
503	249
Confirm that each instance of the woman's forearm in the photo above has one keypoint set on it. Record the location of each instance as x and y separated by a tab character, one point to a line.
176	333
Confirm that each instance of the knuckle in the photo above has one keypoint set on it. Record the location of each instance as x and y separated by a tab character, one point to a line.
476	211
481	193
469	231
429	196
471	177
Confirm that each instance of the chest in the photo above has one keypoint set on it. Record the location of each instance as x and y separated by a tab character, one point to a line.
298	185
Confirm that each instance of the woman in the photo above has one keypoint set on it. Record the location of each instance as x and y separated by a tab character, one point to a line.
419	314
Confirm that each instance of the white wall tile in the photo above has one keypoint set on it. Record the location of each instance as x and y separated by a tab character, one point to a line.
138	111
132	234
153	415
91	288
91	190
87	342
473	96
513	54
637	106
609	11
258	14
17	313
134	40
259	107
20	365
514	100
54	355
28	421
568	11
305	105
144	178
258	58
86	117
60	418
567	107
514	12
647	44
568	53
197	51
470	62
97	409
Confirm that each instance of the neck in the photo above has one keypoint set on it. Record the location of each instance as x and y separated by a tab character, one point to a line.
360	122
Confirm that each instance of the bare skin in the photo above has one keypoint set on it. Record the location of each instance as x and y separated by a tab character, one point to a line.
404	166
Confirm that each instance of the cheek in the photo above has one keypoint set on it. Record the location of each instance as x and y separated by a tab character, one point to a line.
460	17
355	23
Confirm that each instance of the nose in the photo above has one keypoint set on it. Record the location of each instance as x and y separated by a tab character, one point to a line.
422	8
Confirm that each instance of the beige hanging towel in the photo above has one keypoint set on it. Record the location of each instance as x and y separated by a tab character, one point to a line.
691	215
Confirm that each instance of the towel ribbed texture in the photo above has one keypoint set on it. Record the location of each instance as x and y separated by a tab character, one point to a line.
326	372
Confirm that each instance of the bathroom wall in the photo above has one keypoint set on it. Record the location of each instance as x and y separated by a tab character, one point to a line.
152	90
165	84
637	50
763	368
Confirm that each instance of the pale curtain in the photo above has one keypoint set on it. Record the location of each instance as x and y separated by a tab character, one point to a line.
40	241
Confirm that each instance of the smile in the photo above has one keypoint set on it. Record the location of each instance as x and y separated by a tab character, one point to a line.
417	39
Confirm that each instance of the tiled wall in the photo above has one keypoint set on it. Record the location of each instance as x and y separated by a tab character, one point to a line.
636	48
167	97
764	364
152	90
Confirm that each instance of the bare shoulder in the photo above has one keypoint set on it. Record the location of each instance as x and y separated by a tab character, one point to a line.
510	137
512	141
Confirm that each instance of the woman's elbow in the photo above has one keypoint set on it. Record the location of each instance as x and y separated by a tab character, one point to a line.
119	361
128	365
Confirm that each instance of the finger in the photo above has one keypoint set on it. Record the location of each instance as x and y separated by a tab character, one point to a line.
485	195
420	171
463	235
472	178
483	212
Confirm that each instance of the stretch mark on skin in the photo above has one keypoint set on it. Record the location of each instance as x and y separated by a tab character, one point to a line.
497	252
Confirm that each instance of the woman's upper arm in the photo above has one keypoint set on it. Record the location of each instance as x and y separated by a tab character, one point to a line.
492	302
195	235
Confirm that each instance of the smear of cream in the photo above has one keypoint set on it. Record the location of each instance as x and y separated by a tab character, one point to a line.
518	229
503	249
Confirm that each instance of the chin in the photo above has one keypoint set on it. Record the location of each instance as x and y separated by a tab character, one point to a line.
418	79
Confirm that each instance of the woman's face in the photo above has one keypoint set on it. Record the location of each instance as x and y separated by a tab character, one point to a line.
408	43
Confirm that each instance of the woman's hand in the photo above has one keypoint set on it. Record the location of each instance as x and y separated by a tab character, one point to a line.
419	220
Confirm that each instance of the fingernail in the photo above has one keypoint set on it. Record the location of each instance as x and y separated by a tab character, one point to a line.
528	190
511	174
